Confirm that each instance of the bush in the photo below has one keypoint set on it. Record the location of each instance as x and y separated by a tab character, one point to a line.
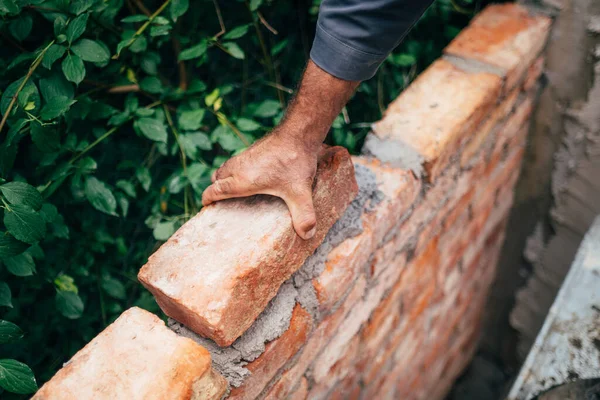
115	113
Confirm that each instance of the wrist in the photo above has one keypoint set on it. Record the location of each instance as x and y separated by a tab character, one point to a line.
307	139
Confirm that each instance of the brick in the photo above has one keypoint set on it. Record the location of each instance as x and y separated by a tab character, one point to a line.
301	391
218	271
534	72
318	339
343	367
136	357
387	256
357	316
483	131
347	389
436	126
342	267
435	198
277	354
504	36
400	189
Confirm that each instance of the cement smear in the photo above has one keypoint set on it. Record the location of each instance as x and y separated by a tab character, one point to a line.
395	153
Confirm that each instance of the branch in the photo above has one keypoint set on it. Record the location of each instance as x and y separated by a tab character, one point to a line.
266	24
143	27
221	24
32	68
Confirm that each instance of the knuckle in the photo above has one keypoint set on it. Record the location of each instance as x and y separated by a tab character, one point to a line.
223	187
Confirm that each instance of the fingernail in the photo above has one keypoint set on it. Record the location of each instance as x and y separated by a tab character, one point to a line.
311	233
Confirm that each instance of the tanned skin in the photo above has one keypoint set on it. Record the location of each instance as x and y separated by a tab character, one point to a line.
284	162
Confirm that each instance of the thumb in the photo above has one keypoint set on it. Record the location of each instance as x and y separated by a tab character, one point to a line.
303	213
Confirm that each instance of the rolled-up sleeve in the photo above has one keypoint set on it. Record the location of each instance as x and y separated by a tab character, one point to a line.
353	37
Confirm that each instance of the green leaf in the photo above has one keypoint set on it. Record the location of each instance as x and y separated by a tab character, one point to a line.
22	193
57	107
193	141
5	298
403	59
65	283
55	52
76	27
164	230
236	32
178	8
123	203
127	187
193	52
151	84
90	50
254	4
135	18
248	125
79	6
45	138
143	176
8	7
268	108
114	288
73	68
140	44
56	86
234	50
27	94
100	196
16	377
24	223
161	30
191	120
20	28
227	138
21	265
69	304
9	332
9	246
152	128
210	99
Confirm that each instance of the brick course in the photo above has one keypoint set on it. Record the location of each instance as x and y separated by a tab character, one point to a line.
394	310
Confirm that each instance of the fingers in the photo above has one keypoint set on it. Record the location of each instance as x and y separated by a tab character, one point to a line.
223	189
303	213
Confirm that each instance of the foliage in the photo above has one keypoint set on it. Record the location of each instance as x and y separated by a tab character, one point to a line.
115	113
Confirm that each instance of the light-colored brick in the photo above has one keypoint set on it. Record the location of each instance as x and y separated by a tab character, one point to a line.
534	72
483	131
218	272
276	354
435	126
400	189
317	341
136	357
342	267
504	36
301	391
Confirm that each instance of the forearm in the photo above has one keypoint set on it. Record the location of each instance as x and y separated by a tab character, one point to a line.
320	98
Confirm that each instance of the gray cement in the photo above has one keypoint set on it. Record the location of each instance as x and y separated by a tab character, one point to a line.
395	153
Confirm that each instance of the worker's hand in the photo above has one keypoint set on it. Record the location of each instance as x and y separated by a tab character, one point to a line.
278	165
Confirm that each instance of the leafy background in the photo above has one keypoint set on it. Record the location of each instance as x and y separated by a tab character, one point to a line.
114	115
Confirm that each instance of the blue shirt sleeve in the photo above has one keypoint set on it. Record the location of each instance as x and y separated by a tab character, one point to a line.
353	37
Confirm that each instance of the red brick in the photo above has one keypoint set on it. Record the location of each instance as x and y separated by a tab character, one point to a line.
276	354
301	391
505	36
136	357
483	131
342	267
357	316
318	339
343	367
218	272
400	189
436	126
533	73
348	389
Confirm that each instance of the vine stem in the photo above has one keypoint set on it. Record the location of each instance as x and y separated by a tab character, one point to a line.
144	26
183	157
94	143
32	69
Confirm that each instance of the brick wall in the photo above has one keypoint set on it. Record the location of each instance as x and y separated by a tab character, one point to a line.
386	300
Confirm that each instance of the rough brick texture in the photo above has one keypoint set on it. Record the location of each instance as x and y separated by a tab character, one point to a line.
218	271
137	357
391	303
